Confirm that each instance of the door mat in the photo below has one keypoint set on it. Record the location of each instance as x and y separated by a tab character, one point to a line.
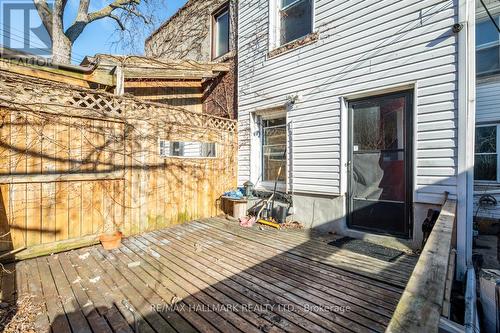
368	249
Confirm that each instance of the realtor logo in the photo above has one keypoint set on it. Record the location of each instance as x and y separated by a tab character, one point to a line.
22	28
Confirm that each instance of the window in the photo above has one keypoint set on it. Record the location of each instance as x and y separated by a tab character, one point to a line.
187	149
274	150
296	18
487	47
220	32
486	157
208	149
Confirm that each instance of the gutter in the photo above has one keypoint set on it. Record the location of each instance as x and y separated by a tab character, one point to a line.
9	54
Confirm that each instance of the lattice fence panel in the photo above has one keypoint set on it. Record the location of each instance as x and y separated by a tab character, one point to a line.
25	91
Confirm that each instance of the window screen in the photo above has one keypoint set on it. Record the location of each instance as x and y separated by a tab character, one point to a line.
295	19
486	159
273	149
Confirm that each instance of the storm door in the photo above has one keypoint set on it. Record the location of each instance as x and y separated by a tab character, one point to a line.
380	191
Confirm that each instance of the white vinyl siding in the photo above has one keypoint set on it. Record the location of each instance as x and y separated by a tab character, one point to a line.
362	46
488	101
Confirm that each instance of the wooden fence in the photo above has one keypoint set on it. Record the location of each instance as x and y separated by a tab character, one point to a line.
75	163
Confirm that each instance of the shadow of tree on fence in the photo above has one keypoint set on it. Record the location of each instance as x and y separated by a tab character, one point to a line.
69	176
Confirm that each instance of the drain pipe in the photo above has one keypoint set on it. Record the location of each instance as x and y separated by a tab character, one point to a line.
471	321
465	30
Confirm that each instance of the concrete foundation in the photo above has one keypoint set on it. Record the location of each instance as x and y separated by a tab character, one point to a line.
327	214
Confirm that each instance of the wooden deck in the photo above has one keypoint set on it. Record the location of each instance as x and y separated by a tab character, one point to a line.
212	276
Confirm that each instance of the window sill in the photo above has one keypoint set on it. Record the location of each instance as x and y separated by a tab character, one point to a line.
269	186
285	48
486	183
488	77
194	158
225	57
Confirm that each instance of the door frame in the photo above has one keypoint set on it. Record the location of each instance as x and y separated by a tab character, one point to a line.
408	156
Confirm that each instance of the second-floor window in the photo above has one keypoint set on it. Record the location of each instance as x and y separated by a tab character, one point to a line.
220	32
296	19
487	47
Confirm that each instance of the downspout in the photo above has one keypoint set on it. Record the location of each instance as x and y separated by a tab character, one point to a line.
471	125
120	80
466	123
471	320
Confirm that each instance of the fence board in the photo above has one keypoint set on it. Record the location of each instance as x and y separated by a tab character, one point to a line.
6	240
48	213
34	190
87	209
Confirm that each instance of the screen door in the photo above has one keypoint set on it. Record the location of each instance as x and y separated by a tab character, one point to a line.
379	164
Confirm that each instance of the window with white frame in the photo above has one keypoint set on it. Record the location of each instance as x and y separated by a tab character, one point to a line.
220	32
187	149
487	47
295	19
486	154
274	150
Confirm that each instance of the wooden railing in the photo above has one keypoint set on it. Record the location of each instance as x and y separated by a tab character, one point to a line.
421	305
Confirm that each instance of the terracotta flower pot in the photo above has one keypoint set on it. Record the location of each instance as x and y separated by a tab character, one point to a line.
111	241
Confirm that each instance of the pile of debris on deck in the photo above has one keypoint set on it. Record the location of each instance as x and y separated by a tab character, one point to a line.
250	206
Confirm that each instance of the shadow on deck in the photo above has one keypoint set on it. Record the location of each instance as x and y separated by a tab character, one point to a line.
212	276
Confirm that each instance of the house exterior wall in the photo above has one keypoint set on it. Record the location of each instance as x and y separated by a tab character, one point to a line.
220	94
363	47
187	35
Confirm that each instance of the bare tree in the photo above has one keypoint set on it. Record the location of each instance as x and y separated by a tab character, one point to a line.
126	13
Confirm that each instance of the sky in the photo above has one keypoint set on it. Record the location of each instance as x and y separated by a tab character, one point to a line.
16	15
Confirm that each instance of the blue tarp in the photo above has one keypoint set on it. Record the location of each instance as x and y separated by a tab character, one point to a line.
235	194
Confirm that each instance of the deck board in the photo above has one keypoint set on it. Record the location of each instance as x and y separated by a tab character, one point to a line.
213	276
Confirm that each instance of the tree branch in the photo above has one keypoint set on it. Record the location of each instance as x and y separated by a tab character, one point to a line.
83	17
81	21
45	13
137	14
118	21
106	11
83	10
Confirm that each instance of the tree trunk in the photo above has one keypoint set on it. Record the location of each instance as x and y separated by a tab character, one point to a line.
61	47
